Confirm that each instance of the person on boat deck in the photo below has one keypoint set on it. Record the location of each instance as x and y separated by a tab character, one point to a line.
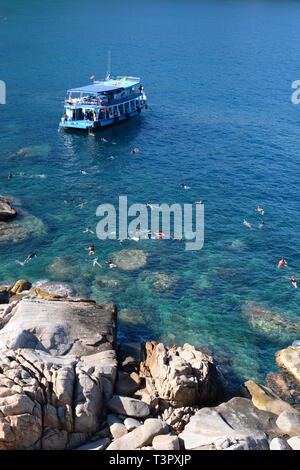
70	100
65	117
141	88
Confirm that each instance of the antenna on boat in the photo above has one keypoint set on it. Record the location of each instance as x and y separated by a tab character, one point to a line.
108	64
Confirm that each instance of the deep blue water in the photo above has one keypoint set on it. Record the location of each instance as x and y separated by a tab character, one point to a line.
218	78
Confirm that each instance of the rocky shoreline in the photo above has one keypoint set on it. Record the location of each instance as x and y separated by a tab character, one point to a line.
66	384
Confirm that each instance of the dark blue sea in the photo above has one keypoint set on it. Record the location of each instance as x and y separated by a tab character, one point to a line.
218	78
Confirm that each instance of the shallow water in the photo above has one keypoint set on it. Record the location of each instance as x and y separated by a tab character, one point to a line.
218	79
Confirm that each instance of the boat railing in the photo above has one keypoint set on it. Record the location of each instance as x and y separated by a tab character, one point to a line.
85	100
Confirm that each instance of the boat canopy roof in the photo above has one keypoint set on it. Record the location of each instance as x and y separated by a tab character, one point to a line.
118	83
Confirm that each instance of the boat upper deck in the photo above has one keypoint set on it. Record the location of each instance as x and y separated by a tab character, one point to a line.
105	93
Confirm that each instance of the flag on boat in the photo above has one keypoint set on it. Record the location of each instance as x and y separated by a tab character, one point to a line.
107	76
92	77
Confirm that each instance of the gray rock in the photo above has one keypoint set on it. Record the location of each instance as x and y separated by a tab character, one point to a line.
141	436
294	442
165	442
289	423
100	444
279	444
296	343
238	420
131	424
62	327
127	384
57	374
117	430
128	406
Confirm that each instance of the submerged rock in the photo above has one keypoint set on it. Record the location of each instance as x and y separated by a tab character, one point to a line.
158	281
64	268
32	151
22	227
129	260
271	324
7	212
131	315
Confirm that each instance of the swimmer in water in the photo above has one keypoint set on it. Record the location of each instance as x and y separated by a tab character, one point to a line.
88	230
184	186
96	263
198	202
110	264
294	282
10	175
262	224
111	158
83	172
260	210
23	174
104	140
281	263
91	250
134	150
30	257
247	224
81	204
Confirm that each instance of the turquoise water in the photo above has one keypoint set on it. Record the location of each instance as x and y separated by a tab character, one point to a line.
218	78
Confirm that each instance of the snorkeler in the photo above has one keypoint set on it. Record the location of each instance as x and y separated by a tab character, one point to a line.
83	172
104	140
134	150
247	224
96	263
260	210
10	175
88	230
294	282
30	257
262	224
81	204
282	263
184	186
110	264
91	250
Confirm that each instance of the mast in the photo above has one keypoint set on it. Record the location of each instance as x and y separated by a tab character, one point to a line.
108	64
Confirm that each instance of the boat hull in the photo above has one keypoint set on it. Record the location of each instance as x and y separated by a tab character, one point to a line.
86	125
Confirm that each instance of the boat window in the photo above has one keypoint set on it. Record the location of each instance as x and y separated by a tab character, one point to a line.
126	107
133	105
121	109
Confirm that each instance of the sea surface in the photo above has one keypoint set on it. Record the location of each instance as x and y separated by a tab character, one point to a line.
218	77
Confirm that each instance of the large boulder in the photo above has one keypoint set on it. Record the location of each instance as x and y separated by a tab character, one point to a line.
7	212
289	359
181	376
57	368
141	436
237	424
264	399
128	406
289	423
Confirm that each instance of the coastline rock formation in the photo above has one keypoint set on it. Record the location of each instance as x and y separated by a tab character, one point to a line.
64	384
57	368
